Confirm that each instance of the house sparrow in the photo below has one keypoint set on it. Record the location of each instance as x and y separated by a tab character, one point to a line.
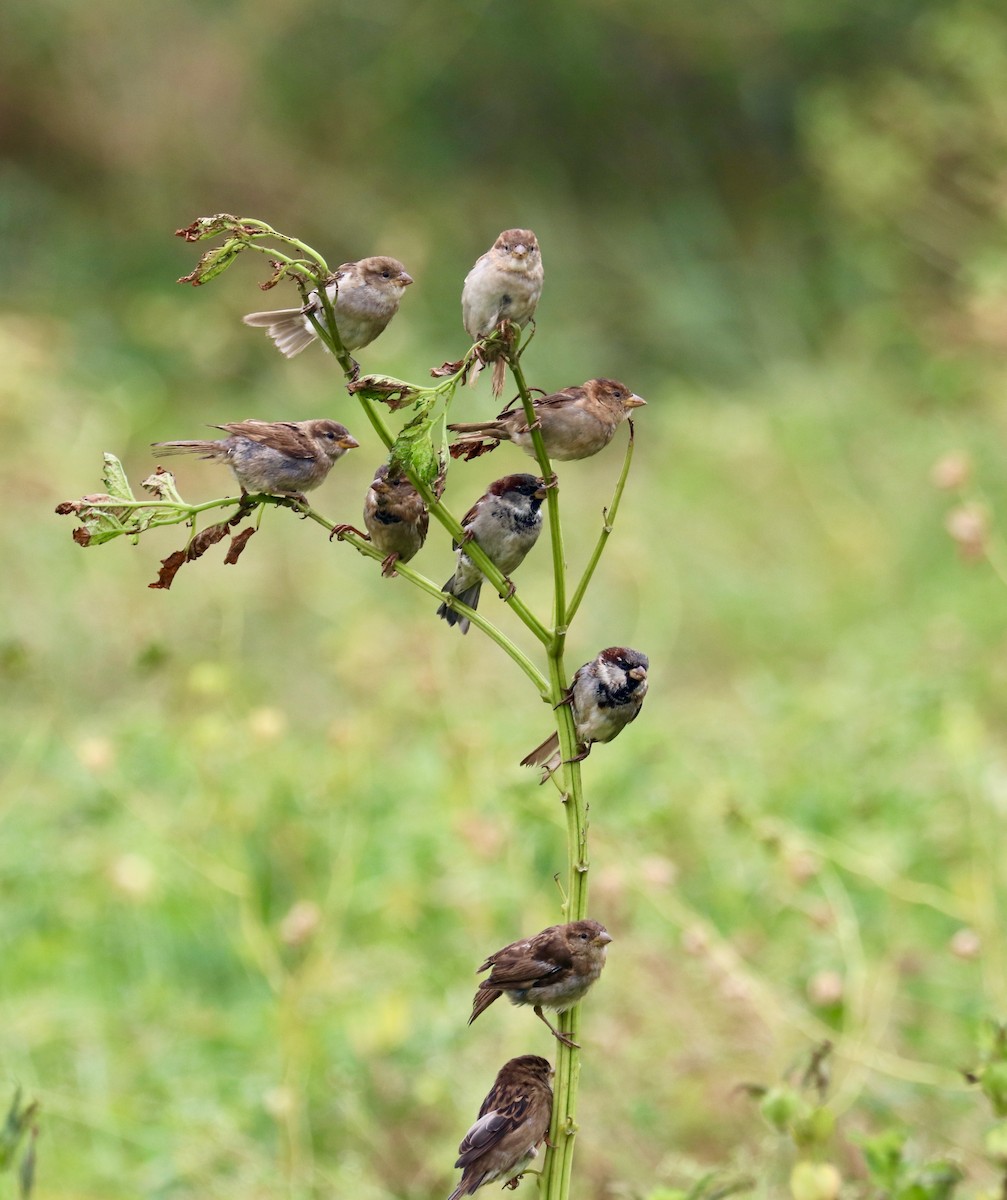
504	285
575	423
281	458
505	523
513	1122
554	969
607	693
365	296
396	518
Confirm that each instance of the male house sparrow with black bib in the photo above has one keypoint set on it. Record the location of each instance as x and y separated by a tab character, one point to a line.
505	523
513	1122
575	423
554	969
280	458
606	694
365	296
504	285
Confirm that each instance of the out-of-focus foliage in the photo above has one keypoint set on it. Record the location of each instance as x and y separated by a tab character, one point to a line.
257	833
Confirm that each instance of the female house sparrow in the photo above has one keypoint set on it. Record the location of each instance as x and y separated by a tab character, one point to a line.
575	423
513	1122
504	285
365	296
607	693
554	969
281	458
505	523
396	518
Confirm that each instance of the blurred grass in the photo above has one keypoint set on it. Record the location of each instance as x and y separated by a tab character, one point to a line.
799	231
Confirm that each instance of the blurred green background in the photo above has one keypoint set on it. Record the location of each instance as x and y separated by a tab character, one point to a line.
257	833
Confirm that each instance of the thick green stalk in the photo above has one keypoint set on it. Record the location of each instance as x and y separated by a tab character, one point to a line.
557	1169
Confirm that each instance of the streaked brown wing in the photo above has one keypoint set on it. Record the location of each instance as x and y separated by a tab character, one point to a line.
285	436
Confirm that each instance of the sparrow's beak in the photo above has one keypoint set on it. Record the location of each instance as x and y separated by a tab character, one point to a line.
637	672
405	279
520	250
541	493
349	442
379	486
635	402
603	938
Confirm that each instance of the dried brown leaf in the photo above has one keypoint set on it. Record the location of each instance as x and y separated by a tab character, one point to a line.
238	544
468	450
169	569
448	368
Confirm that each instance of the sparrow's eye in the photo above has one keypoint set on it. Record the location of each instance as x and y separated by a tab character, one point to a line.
330	435
583	937
386	274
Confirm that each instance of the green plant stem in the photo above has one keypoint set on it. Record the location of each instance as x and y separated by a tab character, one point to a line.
557	1169
608	523
560	619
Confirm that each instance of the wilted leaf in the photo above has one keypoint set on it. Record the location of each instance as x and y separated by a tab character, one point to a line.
469	449
214	262
238	544
207	227
169	569
162	485
448	368
384	390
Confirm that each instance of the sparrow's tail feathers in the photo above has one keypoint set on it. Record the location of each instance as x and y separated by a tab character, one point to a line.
470	597
287	328
483	428
469	1184
546	755
211	449
482	1000
499	376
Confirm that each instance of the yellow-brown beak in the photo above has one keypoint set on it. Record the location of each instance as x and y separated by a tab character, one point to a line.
405	279
637	672
635	401
349	442
603	938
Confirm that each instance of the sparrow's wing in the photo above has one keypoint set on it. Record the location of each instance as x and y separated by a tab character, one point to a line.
504	1114
285	436
526	964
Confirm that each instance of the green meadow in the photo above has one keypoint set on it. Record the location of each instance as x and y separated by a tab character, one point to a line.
258	832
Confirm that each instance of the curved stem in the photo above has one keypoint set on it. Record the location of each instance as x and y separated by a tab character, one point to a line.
608	523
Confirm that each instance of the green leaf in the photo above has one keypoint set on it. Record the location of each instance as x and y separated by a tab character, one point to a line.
413	450
114	478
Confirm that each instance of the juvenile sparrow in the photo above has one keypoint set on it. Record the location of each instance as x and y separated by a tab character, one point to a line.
575	423
554	969
504	285
513	1123
396	518
505	523
606	694
281	458
365	296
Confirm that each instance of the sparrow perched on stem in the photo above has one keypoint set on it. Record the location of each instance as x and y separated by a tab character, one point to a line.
513	1122
553	969
504	285
396	518
365	296
606	694
575	423
505	523
280	458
